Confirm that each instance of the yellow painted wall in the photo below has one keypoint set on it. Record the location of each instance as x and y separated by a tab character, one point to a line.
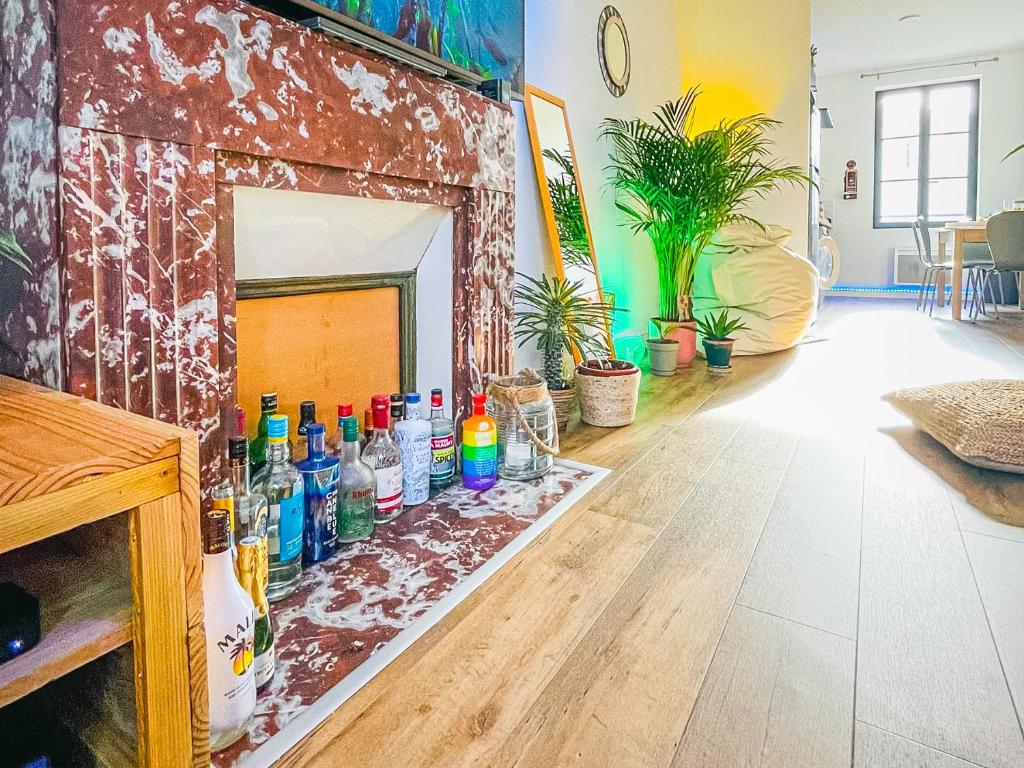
754	56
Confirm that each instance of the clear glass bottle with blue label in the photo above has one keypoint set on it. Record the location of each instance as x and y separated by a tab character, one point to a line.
320	474
281	484
412	434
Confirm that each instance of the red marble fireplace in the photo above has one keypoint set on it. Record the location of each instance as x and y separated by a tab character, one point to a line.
156	114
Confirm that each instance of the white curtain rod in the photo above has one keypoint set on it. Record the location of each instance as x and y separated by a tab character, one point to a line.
882	73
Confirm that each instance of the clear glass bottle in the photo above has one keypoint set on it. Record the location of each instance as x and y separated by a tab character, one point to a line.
382	456
228	616
320	474
281	484
258	446
355	490
250	507
442	443
412	436
307	416
336	442
252	573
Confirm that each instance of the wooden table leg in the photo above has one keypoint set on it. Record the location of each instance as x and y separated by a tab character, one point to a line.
160	637
957	299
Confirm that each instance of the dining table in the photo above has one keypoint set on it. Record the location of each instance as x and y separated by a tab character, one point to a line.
958	234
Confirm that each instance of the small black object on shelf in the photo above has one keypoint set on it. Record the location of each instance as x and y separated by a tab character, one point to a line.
19	621
499	90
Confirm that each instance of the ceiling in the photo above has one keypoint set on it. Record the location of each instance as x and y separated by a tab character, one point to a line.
866	34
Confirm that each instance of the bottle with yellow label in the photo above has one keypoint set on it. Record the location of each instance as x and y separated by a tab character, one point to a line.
253	574
479	448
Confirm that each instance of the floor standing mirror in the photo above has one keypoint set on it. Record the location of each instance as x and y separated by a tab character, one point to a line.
561	193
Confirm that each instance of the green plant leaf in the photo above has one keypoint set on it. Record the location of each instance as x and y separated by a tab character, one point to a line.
1014	151
12	252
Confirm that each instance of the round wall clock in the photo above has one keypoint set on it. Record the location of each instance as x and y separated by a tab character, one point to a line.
613	50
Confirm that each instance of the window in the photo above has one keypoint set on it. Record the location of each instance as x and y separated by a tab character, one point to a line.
926	154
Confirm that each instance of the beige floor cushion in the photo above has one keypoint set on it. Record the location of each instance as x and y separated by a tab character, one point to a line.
981	422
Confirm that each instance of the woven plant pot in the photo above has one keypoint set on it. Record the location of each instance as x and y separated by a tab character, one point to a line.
565	401
609	390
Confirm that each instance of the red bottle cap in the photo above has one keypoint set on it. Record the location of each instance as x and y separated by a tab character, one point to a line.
381	412
344	410
436	398
479	400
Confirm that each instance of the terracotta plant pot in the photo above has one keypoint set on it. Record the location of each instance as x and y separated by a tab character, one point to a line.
683	331
609	391
664	354
565	401
719	353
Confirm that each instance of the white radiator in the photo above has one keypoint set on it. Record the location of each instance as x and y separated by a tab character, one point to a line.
907	268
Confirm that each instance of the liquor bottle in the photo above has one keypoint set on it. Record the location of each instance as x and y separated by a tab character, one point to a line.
258	446
367	426
239	421
250	507
382	456
222	497
397	412
320	481
336	442
356	488
307	415
281	484
479	448
228	615
442	443
253	575
413	438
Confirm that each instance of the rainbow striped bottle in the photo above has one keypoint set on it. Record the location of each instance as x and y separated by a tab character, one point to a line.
479	448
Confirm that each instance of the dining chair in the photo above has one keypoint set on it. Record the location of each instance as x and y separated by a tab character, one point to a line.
932	270
1005	235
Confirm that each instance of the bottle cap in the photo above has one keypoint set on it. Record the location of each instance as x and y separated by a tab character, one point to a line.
239	420
381	417
277	428
344	410
268	401
379	399
396	397
238	448
315	429
479	398
307	410
436	398
412	398
350	429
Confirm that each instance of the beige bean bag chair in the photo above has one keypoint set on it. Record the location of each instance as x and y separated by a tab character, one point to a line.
772	289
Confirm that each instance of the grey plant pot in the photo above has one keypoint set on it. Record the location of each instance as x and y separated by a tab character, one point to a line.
664	354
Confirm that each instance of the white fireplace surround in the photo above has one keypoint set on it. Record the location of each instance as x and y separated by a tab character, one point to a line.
284	233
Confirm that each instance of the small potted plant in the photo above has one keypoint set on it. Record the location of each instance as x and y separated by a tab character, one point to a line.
555	314
664	355
718	341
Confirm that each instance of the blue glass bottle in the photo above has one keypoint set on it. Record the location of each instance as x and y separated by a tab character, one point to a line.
320	475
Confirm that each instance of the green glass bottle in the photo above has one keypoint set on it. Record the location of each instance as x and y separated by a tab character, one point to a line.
356	488
258	446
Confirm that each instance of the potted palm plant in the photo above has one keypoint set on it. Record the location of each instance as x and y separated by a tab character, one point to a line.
680	187
555	314
718	341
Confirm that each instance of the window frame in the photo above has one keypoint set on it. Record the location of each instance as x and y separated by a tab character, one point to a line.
924	149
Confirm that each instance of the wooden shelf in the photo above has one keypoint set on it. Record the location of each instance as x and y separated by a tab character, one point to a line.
86	609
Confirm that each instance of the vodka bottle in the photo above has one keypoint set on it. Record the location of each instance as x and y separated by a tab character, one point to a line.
307	415
281	484
250	507
382	456
252	573
336	442
320	483
228	616
355	491
413	437
442	443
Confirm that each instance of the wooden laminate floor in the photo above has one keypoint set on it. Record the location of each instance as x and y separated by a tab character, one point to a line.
780	572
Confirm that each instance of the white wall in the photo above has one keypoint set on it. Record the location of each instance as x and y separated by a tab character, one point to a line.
562	58
867	252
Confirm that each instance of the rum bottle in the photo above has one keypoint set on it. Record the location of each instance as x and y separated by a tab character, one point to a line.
228	614
382	456
413	438
258	446
252	573
281	484
307	416
356	488
479	447
320	476
442	443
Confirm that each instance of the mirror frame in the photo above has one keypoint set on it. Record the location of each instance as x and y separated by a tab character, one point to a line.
610	17
531	92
